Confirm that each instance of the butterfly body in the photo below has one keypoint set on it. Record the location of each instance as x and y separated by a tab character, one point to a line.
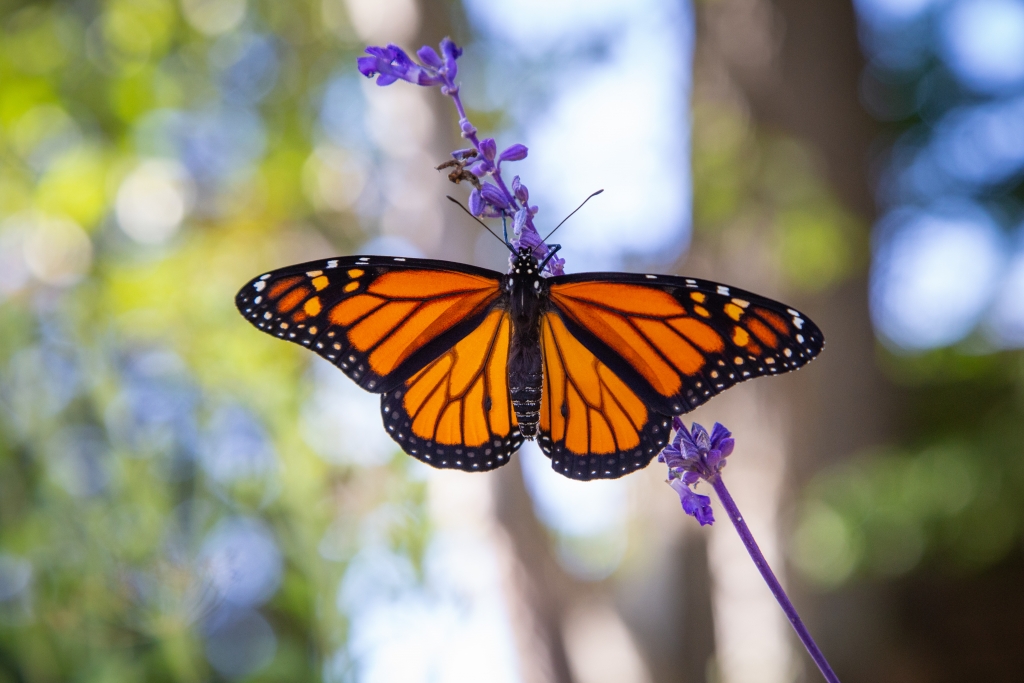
470	362
527	295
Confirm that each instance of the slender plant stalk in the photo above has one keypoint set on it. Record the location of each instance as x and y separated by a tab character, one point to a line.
769	578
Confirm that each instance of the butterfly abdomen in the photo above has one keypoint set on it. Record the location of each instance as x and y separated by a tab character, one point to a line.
525	381
525	363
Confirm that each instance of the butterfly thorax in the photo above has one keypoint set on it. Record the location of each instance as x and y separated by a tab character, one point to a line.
527	292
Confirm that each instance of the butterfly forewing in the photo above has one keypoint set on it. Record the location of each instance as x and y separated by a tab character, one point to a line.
677	342
379	319
456	412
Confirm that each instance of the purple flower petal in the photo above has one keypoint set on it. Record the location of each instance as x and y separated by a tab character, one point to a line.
476	203
514	153
467	128
382	53
488	148
451	52
700	437
694	504
494	196
367	66
429	57
721	438
529	238
386	79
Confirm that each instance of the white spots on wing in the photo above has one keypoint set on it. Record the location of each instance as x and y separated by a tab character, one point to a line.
268	315
264	277
333	263
691	283
723	290
259	285
787	352
257	299
651	277
793	313
741	303
314	273
798	323
800	338
399	258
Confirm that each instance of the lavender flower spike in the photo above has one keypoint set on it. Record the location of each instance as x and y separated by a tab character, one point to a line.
494	199
695	455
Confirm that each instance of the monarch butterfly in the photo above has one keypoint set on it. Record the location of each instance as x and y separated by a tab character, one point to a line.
470	362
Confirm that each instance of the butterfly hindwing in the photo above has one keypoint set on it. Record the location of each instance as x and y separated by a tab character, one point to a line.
379	319
680	341
455	412
592	425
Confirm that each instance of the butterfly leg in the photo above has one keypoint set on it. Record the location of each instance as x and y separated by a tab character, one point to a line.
552	250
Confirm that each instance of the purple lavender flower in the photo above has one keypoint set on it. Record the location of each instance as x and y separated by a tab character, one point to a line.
491	199
694	455
391	63
697	453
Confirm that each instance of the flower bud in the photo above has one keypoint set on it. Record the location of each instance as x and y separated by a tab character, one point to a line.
519	221
514	153
520	191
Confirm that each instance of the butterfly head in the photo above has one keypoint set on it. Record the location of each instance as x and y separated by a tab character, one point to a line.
526	272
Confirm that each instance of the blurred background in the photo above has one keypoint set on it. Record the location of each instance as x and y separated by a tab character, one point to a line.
184	499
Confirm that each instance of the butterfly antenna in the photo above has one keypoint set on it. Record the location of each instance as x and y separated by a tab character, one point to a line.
573	211
459	204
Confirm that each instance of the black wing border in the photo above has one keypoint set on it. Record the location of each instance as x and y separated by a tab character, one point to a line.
360	373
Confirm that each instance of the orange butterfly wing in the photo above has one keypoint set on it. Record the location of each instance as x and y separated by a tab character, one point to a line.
678	341
379	319
592	425
456	412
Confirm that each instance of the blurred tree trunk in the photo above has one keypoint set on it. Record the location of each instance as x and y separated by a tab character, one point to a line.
797	64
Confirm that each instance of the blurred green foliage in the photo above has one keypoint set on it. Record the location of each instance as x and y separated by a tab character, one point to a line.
122	358
767	187
949	501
